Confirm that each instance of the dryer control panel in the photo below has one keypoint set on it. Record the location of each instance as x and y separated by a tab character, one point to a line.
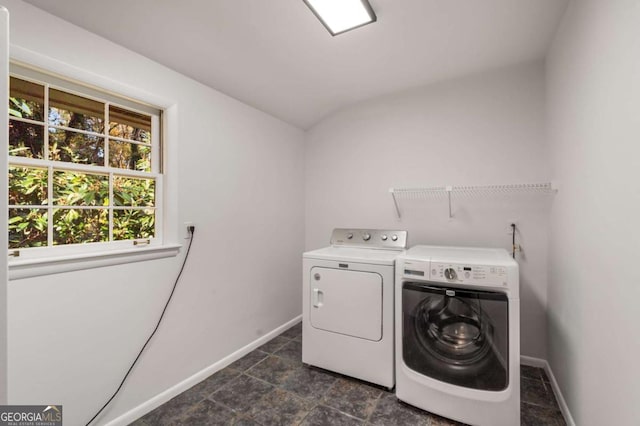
468	274
369	238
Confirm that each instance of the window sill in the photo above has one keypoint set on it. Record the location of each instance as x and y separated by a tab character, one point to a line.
28	268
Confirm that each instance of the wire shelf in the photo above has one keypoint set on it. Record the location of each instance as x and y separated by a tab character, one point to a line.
450	192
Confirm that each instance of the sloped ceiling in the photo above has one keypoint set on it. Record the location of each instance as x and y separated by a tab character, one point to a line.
276	56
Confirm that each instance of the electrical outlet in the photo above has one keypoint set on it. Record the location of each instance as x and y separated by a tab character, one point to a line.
187	234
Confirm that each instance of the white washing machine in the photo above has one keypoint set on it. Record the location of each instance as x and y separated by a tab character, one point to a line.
347	304
458	333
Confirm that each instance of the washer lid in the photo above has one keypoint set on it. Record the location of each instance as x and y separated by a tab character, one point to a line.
358	255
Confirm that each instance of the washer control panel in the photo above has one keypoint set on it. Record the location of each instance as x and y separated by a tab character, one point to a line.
468	274
371	238
416	269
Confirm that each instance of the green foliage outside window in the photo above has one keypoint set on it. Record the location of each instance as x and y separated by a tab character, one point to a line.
80	204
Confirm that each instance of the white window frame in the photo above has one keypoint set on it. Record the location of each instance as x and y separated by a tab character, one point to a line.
35	261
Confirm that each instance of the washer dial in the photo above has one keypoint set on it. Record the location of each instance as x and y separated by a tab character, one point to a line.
450	274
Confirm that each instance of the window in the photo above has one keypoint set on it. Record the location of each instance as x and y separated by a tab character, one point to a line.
84	167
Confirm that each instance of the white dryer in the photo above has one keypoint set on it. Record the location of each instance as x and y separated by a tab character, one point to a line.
458	333
347	304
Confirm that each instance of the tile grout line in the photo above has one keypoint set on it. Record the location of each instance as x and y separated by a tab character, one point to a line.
367	420
548	393
223	386
316	401
248	415
323	401
308	412
279	386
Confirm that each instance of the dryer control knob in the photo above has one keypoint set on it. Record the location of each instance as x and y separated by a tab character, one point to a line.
384	238
450	274
366	237
349	236
394	237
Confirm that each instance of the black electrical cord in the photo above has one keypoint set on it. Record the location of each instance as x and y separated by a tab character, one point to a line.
175	284
513	240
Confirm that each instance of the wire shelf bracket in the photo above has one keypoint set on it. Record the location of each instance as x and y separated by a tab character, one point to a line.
468	190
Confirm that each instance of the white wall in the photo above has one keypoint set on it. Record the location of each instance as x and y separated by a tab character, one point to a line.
484	129
593	72
238	176
4	114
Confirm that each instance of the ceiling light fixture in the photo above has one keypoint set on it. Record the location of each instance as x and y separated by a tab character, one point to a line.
339	16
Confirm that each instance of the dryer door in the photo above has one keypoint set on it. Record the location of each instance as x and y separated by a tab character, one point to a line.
346	302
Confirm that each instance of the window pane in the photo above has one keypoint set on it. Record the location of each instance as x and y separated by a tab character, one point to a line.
130	156
133	192
75	111
75	226
75	147
27	186
133	224
129	125
27	228
26	99
80	189
26	140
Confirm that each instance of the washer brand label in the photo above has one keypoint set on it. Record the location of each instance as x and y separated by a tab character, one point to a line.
30	415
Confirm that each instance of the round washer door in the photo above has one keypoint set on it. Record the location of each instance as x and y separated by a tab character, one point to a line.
456	336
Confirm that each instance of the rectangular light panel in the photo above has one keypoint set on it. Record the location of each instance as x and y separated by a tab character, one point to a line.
339	16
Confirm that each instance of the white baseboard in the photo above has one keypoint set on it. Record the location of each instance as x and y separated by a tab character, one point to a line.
176	390
533	362
543	363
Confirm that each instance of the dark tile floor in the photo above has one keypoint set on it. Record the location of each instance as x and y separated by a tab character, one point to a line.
271	386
